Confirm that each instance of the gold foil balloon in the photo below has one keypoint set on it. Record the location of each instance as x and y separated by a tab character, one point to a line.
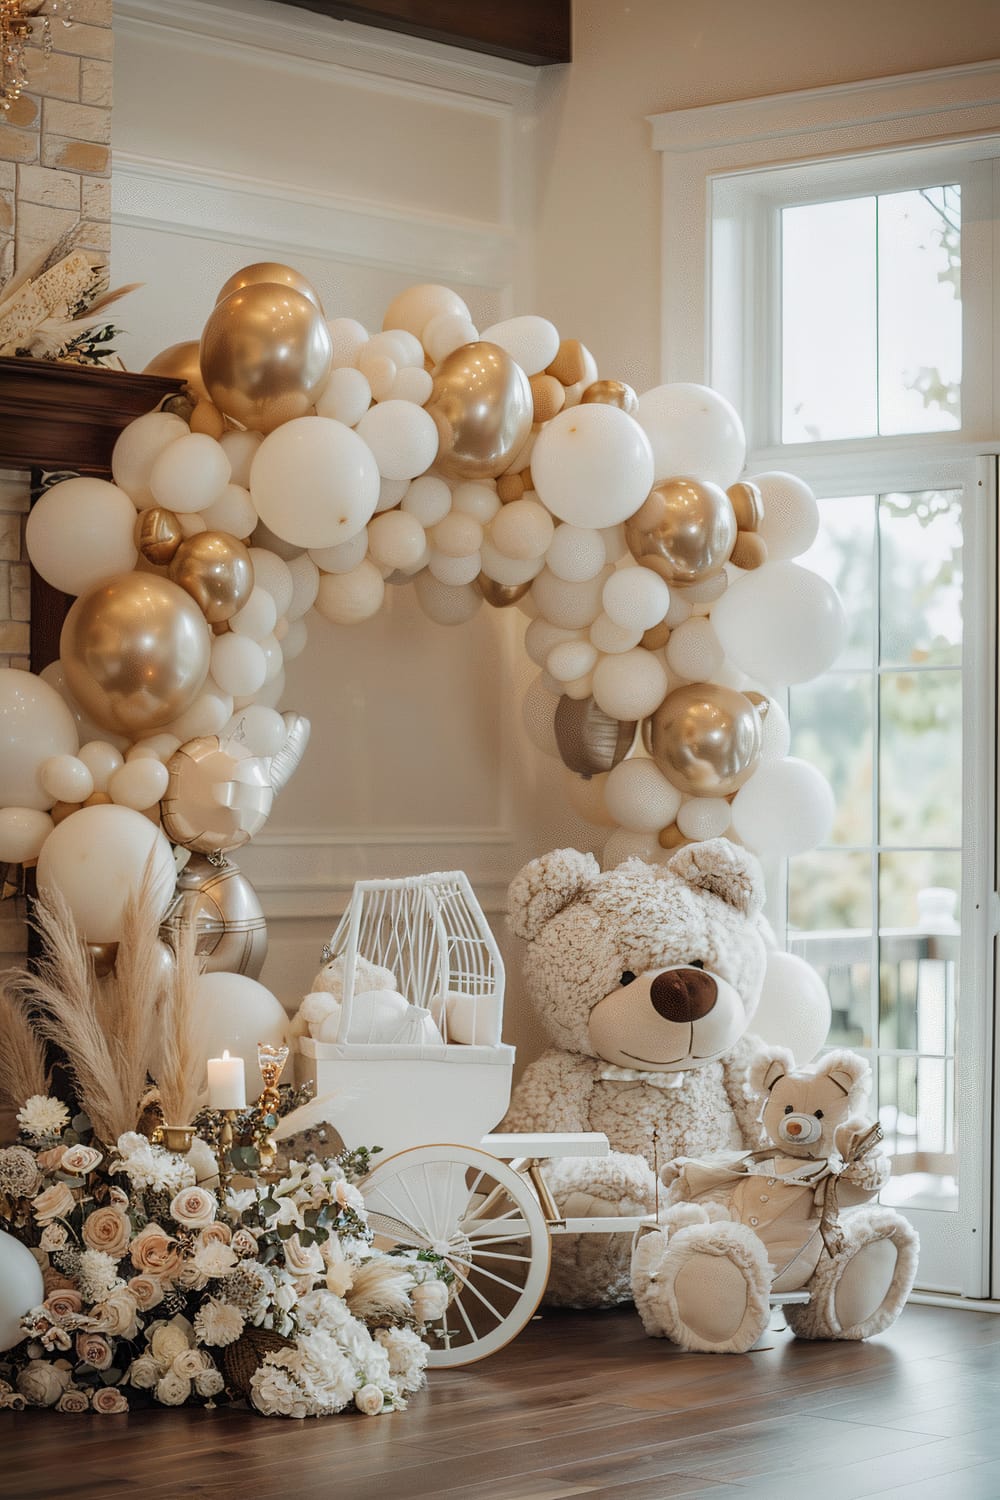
103	956
612	393
273	273
135	653
748	505
500	595
224	908
706	739
589	740
266	353
182	360
685	530
216	570
482	406
158	534
218	795
285	762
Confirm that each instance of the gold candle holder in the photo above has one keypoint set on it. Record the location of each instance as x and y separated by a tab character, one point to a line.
225	1146
271	1061
179	1138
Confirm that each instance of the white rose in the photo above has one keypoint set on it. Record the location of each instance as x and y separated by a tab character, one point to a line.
143	1372
79	1160
301	1259
191	1362
209	1382
429	1300
42	1383
193	1207
369	1400
166	1341
172	1390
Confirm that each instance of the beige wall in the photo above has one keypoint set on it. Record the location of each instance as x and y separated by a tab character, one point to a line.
598	179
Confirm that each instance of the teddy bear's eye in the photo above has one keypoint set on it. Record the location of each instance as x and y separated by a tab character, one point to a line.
696	963
788	1109
627	977
819	1114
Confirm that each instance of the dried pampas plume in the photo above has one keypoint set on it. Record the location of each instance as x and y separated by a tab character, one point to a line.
24	1069
180	1064
380	1290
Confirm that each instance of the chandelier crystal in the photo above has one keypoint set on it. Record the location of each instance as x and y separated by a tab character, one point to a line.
19	21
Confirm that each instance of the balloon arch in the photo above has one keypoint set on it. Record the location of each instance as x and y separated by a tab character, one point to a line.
312	465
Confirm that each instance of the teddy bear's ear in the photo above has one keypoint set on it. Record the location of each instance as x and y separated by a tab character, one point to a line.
769	1067
727	870
849	1071
545	886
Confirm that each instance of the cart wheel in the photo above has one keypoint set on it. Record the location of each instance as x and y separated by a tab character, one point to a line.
485	1222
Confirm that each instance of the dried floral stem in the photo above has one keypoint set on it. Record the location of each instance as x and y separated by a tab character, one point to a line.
24	1070
179	1061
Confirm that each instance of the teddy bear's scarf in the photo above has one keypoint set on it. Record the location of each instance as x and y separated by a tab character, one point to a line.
827	1184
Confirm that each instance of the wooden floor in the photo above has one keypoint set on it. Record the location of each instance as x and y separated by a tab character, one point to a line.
580	1404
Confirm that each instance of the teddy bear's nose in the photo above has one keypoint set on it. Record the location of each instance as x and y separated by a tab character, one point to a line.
793	1127
683	994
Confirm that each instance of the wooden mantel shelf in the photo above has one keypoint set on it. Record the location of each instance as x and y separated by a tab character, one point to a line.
56	416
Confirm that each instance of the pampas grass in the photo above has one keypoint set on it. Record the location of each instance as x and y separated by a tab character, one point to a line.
380	1290
24	1070
180	1064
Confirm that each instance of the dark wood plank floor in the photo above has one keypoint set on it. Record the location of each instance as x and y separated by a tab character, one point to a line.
580	1404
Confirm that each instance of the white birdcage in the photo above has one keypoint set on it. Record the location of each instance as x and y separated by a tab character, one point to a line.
432	933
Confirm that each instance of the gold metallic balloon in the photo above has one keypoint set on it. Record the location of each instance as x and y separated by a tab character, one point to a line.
103	956
266	353
589	740
158	534
748	505
274	274
183	361
500	595
135	652
706	739
223	905
285	762
482	405
684	530
216	570
218	795
611	393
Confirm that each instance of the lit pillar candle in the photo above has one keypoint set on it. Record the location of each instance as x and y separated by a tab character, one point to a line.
227	1087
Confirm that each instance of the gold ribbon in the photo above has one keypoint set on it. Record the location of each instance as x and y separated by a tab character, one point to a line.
827	1185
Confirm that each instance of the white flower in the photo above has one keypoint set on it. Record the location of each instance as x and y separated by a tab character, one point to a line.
97	1275
288	1212
172	1390
239	1200
42	1382
193	1207
143	1372
191	1362
149	1166
209	1382
321	1309
429	1298
203	1159
369	1400
53	1237
131	1142
79	1160
407	1357
73	1400
167	1340
302	1260
217	1323
276	1393
41	1116
215	1259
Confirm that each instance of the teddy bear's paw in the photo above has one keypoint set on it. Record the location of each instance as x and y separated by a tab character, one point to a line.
860	1291
709	1291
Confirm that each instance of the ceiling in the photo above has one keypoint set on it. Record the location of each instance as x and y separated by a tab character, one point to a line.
536	32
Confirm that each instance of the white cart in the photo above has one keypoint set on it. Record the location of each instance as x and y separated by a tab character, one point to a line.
444	1184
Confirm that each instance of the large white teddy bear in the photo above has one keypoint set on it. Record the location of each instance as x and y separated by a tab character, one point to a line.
646	979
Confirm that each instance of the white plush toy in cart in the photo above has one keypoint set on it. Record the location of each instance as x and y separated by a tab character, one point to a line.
380	1012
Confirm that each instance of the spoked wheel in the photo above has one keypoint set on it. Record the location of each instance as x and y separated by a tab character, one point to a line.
485	1222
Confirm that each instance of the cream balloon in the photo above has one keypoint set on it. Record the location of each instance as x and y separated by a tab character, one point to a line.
233	1013
592	466
781	623
428	500
402	437
576	553
635	599
79	532
639	797
786	808
35	725
574	606
446	605
21	1289
138	784
794	1007
413	309
693	431
191	474
95	860
630	685
23	831
66	778
531	341
262	731
790	517
241	450
138	447
238	664
345	397
704	817
349	598
314	482
102	760
272	573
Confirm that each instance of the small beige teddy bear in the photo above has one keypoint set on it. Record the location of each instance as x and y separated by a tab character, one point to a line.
379	1012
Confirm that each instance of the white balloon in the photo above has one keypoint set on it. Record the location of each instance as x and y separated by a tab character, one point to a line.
35	724
232	1013
776	733
139	783
541	636
631	685
538	714
694	431
379	370
190	474
274	657
262	730
508	570
267	696
458	535
785	808
272	573
239	666
159	746
523	529
625	844
241	449
207	714
349	598
791	516
531	341
233	512
576	553
346	396
635	598
23	831
427	500
305	584
572	605
413	309
479	500
314	482
96	858
443	604
794	1007
402	437
611	638
80	532
571	660
396	540
66	778
348	338
679	610
412	385
342	559
580	687
781	623
21	1288
454	570
263	536
615	543
586	797
295	640
639	797
402	347
704	817
191	523
138	447
446	333
257	617
592	466
694	651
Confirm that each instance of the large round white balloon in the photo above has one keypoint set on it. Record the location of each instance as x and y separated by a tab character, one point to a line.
592	465
569	605
137	449
96	858
531	341
576	553
402	437
639	796
630	685
349	598
23	831
794	1008
314	482
791	515
233	1013
21	1288
785	808
191	474
35	724
81	532
694	432
781	623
